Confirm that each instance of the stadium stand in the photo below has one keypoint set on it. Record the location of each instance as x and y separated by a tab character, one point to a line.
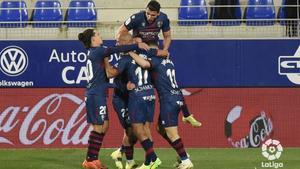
114	13
193	10
223	12
262	10
81	10
281	13
14	13
47	10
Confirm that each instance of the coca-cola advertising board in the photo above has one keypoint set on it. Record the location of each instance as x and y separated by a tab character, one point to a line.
231	117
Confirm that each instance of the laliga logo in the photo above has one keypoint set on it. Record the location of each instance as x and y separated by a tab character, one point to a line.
271	150
290	67
13	61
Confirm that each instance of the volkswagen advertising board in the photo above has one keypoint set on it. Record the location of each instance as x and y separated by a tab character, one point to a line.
235	63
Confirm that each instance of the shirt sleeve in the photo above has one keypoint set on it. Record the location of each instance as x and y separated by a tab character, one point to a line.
166	24
118	49
151	53
131	22
154	61
98	54
122	64
114	58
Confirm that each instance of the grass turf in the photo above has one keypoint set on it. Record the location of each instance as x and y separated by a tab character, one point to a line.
202	158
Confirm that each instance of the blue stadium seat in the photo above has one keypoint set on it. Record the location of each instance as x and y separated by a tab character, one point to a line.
281	13
260	12
17	16
193	13
234	14
81	10
47	10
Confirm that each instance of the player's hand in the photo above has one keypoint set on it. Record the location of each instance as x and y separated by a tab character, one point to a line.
168	55
130	86
165	53
130	53
143	46
137	40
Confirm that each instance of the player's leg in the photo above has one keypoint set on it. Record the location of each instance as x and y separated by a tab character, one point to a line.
146	143
147	126
155	161
188	117
98	118
161	130
169	111
149	110
178	146
129	141
120	108
117	154
137	114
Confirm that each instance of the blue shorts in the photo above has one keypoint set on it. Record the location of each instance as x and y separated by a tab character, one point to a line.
121	107
169	110
96	109
141	109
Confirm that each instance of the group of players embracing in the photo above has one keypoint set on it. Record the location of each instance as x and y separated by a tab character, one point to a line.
139	68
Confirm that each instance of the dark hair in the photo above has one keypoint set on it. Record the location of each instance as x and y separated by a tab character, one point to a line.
86	36
153	5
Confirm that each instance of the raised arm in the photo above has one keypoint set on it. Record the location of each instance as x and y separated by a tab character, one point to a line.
121	30
167	39
140	61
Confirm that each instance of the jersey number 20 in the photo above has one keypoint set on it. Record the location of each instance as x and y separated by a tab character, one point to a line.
90	72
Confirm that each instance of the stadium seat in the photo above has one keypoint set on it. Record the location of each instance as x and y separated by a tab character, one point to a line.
281	13
199	12
234	14
47	10
254	11
9	13
81	11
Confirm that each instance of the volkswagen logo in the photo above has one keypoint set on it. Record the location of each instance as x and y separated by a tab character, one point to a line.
13	61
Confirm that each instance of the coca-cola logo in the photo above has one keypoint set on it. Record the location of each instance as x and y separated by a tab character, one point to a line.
260	128
45	123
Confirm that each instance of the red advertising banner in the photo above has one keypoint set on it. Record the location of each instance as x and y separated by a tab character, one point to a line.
231	117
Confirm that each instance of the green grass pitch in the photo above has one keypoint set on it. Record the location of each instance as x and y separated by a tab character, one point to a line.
215	158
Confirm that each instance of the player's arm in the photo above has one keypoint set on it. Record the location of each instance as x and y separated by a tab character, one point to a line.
167	40
110	70
128	25
162	53
140	61
125	48
158	52
122	30
166	33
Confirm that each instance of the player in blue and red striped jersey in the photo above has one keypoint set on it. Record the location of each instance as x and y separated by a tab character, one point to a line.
171	101
146	25
96	90
120	105
140	103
